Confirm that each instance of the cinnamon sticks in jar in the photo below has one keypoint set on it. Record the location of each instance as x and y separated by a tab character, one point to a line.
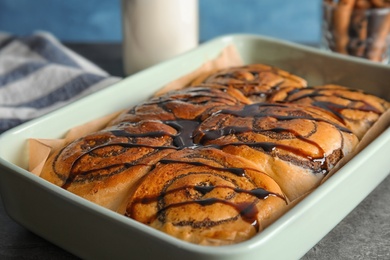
359	28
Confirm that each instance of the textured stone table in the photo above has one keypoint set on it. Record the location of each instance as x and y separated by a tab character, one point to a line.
363	234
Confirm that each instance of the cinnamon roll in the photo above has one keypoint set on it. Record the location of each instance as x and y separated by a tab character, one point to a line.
295	145
207	197
103	166
209	163
255	81
186	104
356	109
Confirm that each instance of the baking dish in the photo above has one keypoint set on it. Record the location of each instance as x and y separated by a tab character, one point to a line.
92	232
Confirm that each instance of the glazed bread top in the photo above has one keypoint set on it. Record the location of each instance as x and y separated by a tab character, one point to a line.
231	152
255	81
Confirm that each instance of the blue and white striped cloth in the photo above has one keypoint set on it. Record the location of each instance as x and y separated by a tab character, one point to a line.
38	74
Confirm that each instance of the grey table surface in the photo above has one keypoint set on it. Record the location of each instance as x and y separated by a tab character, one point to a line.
363	234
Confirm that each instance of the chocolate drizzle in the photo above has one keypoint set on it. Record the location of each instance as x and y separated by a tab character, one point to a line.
258	111
316	94
235	171
246	210
194	150
255	81
185	129
255	110
188	135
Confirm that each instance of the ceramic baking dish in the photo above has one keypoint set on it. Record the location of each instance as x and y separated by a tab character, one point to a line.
92	232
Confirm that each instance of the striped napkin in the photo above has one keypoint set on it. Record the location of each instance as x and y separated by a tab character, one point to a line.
38	75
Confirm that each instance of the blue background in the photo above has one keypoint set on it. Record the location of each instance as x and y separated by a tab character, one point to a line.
100	20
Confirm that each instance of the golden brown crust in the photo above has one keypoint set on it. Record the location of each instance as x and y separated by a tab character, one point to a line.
295	145
208	165
186	104
255	81
103	166
208	197
356	109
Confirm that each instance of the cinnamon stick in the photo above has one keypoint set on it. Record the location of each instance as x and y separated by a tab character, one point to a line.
341	21
380	41
358	33
380	3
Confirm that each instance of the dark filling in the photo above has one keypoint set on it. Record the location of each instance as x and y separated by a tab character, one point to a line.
186	131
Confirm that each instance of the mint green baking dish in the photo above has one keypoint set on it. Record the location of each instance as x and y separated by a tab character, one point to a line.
92	232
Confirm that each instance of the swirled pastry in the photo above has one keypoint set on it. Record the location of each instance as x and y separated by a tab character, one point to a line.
186	104
210	164
206	196
356	109
103	166
255	81
295	145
